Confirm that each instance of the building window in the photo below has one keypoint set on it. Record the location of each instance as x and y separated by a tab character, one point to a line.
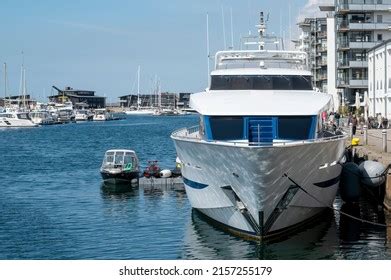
380	37
389	82
379	18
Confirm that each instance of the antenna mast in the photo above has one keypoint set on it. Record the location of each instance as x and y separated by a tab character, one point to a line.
232	32
261	31
207	45
225	41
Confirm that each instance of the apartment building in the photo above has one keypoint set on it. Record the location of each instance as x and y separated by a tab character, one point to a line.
360	25
379	79
313	41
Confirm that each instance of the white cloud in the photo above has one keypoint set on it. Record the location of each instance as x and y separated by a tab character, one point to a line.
311	9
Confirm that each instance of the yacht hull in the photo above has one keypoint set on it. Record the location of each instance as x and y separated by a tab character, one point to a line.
11	122
118	178
244	187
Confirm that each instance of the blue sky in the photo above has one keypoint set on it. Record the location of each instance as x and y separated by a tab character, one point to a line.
98	45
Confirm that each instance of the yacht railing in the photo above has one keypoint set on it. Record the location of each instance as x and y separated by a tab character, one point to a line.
192	134
261	58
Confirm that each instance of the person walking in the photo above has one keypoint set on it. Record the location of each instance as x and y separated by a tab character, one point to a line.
379	120
354	124
337	117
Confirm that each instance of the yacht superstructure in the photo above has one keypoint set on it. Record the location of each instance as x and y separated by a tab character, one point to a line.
261	160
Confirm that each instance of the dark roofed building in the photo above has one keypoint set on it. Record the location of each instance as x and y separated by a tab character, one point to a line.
167	100
78	97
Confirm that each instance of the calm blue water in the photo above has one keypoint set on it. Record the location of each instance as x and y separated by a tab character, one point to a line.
53	205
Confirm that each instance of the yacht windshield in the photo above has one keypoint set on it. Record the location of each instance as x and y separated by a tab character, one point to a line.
261	82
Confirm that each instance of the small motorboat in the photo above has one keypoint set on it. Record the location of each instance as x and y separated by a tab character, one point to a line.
152	170
120	166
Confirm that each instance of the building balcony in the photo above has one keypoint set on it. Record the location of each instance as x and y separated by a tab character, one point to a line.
371	6
358	6
342	83
343	26
343	45
362	45
323	63
322	34
343	64
369	26
358	83
322	77
322	49
358	64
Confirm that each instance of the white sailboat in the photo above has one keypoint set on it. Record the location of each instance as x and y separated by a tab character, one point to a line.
13	118
139	110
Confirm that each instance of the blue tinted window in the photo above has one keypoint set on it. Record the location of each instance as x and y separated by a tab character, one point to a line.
226	128
261	82
294	128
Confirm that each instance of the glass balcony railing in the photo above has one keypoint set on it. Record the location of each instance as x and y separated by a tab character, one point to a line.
346	5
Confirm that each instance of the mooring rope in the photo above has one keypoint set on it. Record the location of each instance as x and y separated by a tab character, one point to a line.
335	209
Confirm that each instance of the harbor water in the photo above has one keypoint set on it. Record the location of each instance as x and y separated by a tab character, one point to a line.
53	204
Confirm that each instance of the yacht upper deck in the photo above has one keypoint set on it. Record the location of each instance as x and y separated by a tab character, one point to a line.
261	59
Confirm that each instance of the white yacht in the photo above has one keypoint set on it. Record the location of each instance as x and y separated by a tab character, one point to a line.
261	161
16	119
41	117
140	111
83	115
101	115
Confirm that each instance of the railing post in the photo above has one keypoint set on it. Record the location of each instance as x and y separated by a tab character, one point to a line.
365	134
384	138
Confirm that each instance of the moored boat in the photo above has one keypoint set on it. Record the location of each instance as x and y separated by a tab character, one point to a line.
16	119
261	161
101	115
41	117
120	166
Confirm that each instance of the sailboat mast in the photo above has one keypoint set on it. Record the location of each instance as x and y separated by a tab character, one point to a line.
138	88
24	87
5	83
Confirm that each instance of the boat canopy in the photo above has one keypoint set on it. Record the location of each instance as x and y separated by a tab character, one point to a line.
120	159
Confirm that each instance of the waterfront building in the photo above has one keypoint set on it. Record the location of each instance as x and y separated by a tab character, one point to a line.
18	101
77	96
360	25
167	100
379	79
317	39
184	99
313	41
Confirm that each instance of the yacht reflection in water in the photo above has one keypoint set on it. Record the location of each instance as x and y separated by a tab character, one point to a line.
205	241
